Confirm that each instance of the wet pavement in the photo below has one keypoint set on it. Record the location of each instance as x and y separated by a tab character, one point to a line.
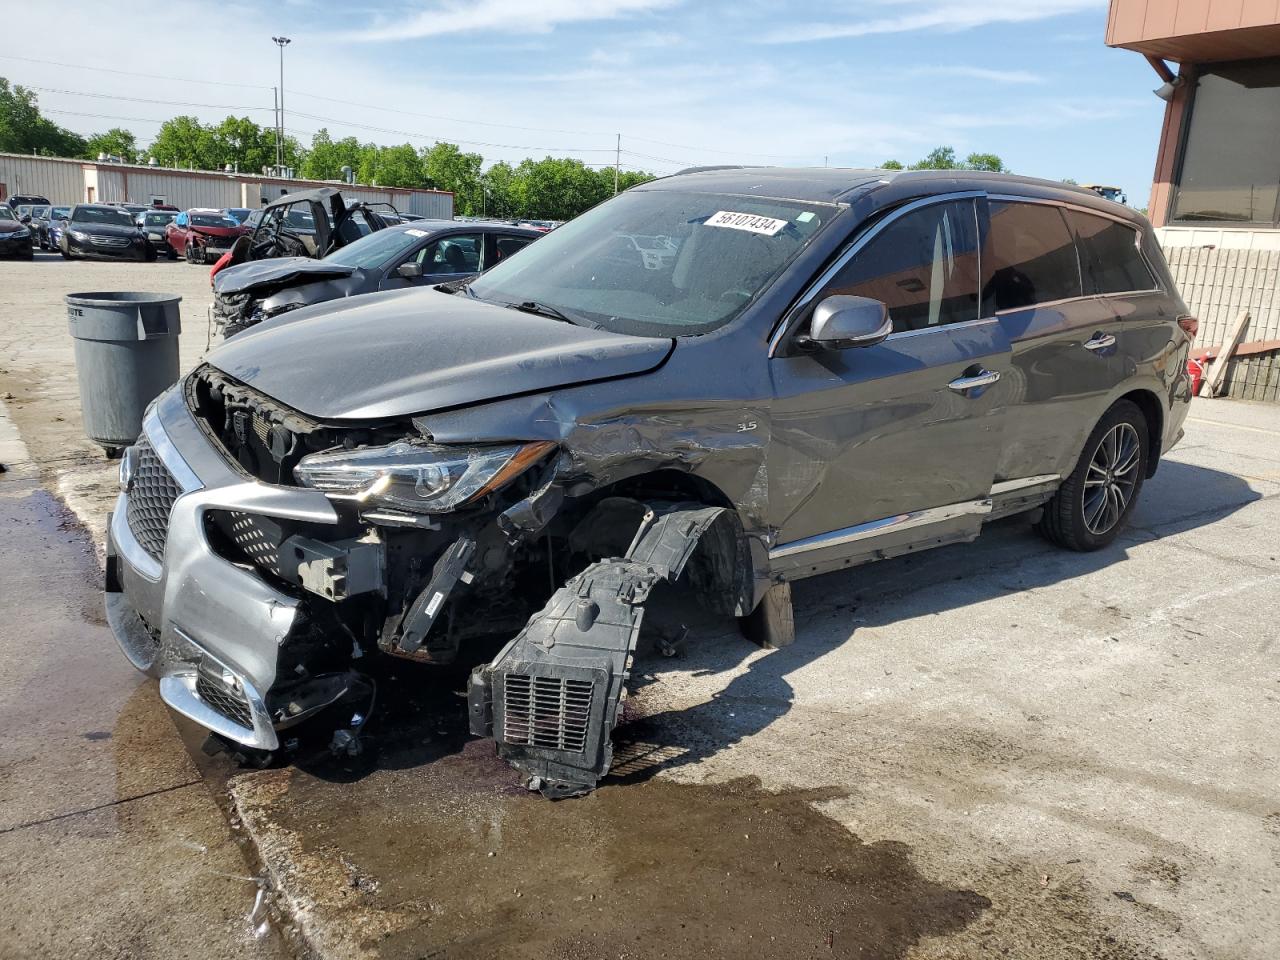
111	845
996	749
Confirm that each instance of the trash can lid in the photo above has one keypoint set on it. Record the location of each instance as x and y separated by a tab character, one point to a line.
116	315
114	298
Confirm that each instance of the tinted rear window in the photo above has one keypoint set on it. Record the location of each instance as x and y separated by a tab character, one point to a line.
1031	257
1109	255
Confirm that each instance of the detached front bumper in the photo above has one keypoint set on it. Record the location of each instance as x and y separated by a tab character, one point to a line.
209	629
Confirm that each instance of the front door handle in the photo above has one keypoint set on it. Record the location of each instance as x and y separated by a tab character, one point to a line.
1100	341
983	379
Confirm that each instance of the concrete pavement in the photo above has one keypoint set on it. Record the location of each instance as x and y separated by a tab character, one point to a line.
995	749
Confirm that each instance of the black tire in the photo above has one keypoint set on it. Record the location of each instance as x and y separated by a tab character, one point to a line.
169	252
191	253
65	255
1094	502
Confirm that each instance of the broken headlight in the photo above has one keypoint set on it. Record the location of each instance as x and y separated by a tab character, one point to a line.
417	477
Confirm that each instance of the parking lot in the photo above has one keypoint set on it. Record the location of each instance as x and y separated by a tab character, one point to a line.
994	749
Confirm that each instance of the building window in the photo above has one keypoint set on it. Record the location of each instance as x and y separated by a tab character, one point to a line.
1231	162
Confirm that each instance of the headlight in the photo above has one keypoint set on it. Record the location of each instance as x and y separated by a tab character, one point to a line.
417	477
22	232
77	235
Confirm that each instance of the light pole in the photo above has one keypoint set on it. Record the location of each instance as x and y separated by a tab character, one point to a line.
281	42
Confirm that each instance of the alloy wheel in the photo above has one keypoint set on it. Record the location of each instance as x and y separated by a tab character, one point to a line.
1111	478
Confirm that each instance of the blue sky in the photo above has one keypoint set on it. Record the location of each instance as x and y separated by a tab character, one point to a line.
683	81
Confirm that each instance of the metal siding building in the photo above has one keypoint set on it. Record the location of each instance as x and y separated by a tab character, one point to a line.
66	181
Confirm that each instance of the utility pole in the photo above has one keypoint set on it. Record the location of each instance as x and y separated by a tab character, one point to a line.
281	42
617	164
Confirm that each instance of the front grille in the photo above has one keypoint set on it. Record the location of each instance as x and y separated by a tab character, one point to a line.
551	713
150	499
110	241
223	698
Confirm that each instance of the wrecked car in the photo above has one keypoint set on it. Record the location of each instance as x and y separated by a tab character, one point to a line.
418	253
832	367
310	223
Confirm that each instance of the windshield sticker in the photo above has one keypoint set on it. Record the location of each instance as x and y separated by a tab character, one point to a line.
414	232
746	221
805	217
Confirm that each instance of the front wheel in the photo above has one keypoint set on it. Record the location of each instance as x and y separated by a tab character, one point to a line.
1094	502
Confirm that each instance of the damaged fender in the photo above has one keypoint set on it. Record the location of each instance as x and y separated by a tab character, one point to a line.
550	699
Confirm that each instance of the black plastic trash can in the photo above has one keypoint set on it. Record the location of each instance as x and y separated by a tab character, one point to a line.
126	355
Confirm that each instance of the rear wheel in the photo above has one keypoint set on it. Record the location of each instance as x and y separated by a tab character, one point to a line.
1094	502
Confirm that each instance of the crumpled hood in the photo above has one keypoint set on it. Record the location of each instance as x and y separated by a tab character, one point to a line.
406	352
271	273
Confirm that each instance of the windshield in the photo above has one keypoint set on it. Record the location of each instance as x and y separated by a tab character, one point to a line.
212	220
59	212
6	214
39	212
110	215
705	257
158	219
376	248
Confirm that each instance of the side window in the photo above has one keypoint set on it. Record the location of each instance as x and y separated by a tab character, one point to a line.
457	254
506	246
1109	255
922	266
1031	257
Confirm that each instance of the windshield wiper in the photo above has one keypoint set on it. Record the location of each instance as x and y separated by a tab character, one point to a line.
547	310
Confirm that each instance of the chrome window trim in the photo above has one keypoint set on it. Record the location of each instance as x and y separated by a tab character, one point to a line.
857	244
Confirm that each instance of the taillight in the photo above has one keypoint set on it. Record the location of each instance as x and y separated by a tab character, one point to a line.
1190	324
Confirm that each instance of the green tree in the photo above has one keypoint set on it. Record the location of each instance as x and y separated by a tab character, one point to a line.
24	129
185	142
891	165
327	157
116	142
446	167
398	166
501	189
939	158
985	161
558	188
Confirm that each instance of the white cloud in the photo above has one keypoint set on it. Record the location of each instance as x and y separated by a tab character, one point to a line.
979	73
915	15
502	16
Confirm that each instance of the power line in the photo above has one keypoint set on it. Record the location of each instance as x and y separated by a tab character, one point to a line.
433	116
369	106
130	73
170	103
426	136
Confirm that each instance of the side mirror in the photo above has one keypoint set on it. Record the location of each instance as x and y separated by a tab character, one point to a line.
409	271
840	321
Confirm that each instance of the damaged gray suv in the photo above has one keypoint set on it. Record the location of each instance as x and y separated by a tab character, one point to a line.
734	376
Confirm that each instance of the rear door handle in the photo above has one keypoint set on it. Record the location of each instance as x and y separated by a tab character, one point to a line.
983	379
1100	341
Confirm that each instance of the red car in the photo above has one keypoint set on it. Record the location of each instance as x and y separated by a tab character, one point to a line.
202	235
